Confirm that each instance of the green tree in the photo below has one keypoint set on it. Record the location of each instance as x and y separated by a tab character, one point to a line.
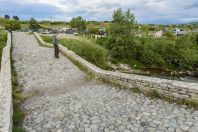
7	17
92	29
33	24
12	25
120	41
197	38
78	22
3	21
15	17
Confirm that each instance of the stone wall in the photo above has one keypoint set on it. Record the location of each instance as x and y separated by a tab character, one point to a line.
177	89
6	108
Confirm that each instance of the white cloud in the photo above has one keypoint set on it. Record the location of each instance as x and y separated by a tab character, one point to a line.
145	10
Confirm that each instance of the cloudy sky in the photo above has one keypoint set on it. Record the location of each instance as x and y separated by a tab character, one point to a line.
146	11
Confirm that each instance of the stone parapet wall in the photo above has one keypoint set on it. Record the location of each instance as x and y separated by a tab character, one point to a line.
177	89
6	107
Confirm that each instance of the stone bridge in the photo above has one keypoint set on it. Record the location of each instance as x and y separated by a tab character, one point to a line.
63	99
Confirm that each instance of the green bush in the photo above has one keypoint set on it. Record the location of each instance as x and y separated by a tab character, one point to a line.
3	39
179	53
92	29
86	49
101	41
12	25
33	24
152	59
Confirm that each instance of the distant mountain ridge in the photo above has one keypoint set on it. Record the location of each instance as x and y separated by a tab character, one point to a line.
194	23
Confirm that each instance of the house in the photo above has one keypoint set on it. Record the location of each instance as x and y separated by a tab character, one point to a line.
158	34
195	31
176	31
179	32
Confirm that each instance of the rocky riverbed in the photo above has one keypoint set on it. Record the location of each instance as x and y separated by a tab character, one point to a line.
64	99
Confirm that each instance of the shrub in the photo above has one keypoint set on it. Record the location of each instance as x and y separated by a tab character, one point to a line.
3	39
86	49
152	59
12	25
93	30
101	41
33	24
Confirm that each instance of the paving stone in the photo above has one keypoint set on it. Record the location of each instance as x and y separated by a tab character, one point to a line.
64	99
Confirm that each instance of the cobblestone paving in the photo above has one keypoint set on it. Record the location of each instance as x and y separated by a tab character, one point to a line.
64	100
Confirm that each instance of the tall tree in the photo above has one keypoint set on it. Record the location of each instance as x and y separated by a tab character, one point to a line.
15	17
33	24
78	22
120	39
7	17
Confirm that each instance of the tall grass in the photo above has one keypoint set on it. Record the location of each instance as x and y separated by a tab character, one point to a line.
88	50
18	98
3	40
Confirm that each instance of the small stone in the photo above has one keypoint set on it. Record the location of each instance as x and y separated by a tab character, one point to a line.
126	131
59	130
71	127
94	127
112	127
87	129
138	118
193	129
48	126
121	128
184	128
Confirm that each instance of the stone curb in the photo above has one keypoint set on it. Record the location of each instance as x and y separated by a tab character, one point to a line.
6	107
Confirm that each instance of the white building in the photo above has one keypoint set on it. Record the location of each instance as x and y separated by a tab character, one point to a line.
158	34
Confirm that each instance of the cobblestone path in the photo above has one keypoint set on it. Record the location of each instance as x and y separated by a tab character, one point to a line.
64	100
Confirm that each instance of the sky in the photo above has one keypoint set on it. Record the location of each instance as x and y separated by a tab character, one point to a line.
146	11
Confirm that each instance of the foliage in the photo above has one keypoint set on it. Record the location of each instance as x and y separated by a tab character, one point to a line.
86	49
79	23
12	25
120	41
7	17
155	95
18	98
33	24
179	53
101	41
168	34
152	59
3	39
15	17
92	29
3	21
197	38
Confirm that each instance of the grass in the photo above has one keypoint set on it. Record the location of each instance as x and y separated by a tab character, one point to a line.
18	98
3	40
86	49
